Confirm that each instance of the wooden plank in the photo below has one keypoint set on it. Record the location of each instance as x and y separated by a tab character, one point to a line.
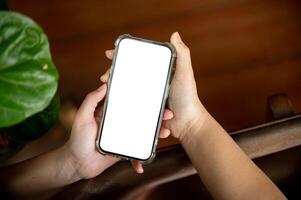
216	48
76	17
241	52
240	100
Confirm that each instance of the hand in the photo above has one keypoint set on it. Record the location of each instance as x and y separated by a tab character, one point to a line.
81	145
183	99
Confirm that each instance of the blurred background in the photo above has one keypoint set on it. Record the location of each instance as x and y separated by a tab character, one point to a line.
243	51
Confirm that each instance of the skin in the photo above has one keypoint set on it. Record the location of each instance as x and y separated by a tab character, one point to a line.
44	175
223	167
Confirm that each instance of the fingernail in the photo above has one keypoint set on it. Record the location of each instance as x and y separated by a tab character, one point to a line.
178	37
108	52
140	170
171	114
101	78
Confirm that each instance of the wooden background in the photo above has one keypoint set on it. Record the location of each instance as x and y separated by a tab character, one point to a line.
242	50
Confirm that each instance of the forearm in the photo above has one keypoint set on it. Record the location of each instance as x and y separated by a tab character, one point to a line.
224	168
39	177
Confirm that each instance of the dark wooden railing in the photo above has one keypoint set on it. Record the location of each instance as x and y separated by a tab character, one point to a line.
172	163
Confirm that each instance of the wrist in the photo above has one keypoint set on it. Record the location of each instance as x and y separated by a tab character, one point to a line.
198	124
68	165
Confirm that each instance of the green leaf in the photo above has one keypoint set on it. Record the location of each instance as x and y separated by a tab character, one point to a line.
37	125
28	77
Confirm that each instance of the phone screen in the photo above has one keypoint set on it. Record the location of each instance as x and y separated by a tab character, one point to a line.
135	97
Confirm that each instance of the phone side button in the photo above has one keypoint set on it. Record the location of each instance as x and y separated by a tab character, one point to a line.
166	92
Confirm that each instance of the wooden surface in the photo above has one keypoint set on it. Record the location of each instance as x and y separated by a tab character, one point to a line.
242	50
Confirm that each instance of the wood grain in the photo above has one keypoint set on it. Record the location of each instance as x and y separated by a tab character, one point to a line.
242	51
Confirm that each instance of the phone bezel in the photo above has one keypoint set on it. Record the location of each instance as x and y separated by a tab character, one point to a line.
163	102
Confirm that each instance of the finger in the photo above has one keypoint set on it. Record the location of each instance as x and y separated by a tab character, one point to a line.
137	167
168	114
87	109
167	124
183	54
110	53
164	132
105	77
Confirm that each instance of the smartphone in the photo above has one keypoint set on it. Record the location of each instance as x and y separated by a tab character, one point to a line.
137	90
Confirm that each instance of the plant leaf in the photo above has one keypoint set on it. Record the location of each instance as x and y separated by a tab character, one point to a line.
28	77
37	125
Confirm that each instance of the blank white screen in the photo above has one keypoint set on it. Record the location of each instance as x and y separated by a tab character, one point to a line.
135	98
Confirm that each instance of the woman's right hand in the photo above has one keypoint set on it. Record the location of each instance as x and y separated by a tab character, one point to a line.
183	99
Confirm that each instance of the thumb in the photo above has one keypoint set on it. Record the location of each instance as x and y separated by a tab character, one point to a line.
87	109
183	64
